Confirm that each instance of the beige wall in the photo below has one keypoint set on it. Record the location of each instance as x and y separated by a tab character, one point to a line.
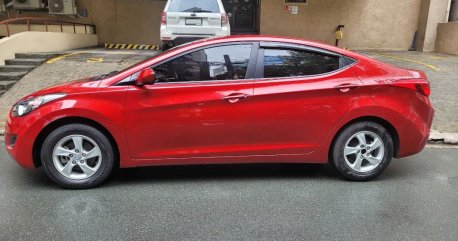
432	12
43	42
117	21
369	24
126	21
447	38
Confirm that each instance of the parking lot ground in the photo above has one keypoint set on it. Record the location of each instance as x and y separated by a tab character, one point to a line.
442	72
415	199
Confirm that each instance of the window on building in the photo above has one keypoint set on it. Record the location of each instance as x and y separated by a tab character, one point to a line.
216	63
289	63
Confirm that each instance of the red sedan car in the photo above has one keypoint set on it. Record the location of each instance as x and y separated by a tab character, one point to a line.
244	99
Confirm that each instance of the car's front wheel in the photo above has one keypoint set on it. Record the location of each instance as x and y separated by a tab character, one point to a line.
362	151
77	156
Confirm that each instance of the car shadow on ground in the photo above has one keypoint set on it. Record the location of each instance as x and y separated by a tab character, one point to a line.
201	173
225	172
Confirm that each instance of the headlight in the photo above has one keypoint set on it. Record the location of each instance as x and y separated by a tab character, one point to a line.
28	105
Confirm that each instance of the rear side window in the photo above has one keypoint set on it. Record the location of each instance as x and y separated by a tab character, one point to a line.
216	63
289	63
194	6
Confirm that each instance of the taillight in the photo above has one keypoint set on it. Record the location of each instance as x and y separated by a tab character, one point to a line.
164	18
421	87
224	20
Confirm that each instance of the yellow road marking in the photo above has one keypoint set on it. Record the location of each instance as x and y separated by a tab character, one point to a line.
404	59
94	60
53	60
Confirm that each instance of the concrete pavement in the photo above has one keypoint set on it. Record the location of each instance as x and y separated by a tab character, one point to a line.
415	199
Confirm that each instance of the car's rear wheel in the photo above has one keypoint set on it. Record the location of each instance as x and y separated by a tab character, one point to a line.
77	156
362	151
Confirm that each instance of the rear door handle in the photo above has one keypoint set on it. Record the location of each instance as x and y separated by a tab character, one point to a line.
235	97
346	87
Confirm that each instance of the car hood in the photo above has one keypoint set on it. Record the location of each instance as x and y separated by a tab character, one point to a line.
77	86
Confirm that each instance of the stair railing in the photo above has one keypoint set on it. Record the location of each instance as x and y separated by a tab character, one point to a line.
30	20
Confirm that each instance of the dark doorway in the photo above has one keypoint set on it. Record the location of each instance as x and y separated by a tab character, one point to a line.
245	14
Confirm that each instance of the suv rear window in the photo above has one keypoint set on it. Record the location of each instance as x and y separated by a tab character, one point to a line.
194	6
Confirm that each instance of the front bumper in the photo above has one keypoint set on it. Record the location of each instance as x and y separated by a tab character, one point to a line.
20	136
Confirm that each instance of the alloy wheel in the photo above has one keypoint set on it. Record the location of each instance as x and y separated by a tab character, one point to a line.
77	157
364	151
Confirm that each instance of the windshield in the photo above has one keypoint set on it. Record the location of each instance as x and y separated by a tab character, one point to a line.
195	6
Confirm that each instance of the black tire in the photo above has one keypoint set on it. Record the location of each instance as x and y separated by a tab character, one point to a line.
338	157
164	47
106	148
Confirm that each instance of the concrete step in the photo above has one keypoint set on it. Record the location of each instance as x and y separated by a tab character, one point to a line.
29	62
36	55
6	85
12	75
12	68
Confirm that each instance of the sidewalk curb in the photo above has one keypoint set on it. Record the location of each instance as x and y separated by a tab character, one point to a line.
435	138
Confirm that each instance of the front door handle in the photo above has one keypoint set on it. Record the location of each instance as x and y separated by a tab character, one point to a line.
346	87
235	97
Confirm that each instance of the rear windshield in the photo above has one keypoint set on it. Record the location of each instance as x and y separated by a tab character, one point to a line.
194	6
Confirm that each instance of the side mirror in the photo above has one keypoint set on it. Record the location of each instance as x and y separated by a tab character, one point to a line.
146	77
229	15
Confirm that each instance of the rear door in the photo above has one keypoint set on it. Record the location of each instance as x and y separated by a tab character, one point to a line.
199	107
300	96
197	17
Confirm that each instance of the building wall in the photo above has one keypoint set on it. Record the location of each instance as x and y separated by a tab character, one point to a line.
117	21
432	12
369	24
447	38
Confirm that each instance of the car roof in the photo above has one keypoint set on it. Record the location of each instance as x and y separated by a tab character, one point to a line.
266	38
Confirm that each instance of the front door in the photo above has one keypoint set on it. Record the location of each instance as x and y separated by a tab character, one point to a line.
244	17
199	107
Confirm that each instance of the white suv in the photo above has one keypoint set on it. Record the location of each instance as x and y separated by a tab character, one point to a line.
185	20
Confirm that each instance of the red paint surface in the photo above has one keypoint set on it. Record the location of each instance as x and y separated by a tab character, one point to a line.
242	121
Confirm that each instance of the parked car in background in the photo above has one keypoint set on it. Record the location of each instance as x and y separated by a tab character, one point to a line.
244	99
184	21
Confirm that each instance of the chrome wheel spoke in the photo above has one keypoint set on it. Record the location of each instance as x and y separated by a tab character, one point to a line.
68	169
373	160
87	169
78	141
361	138
357	164
95	152
60	151
350	150
375	145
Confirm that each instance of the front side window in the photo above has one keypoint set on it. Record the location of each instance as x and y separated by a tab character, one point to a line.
216	63
290	63
194	6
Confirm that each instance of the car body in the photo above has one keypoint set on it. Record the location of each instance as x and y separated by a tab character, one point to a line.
184	21
255	116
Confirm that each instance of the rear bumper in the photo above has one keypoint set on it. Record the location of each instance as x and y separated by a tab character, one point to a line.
415	133
181	38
